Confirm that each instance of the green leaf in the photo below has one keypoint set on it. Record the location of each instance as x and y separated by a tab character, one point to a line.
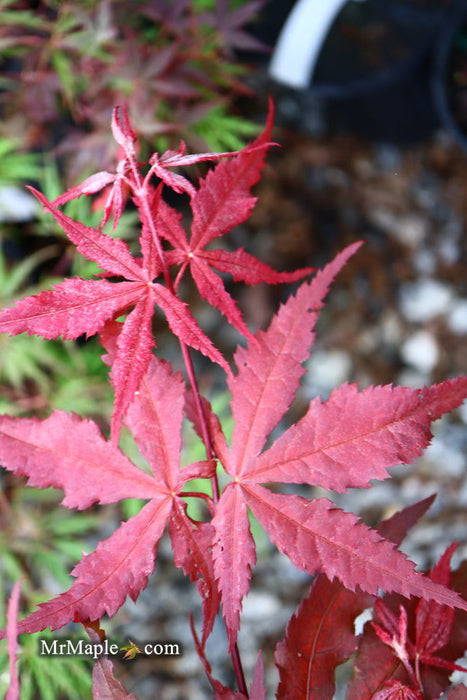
224	132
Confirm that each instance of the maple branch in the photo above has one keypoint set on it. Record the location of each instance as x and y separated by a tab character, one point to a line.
239	675
206	437
418	676
142	194
205	434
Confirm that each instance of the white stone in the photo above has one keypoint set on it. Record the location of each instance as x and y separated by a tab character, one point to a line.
424	261
463	412
17	205
411	377
391	328
328	369
258	606
448	460
360	620
423	300
457	319
411	229
421	351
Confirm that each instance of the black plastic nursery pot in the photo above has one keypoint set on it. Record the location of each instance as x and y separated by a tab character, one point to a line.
373	75
450	74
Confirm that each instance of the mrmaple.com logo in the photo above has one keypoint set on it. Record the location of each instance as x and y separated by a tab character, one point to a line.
94	650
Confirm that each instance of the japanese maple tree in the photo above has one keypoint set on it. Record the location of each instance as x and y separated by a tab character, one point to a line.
344	442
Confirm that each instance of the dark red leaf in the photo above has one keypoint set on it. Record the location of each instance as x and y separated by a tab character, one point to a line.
433	622
319	636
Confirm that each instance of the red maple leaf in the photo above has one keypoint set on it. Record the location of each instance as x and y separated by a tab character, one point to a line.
222	201
76	306
344	442
403	640
67	452
320	635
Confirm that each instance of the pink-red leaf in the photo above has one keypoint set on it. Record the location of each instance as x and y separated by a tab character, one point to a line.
234	555
355	436
112	254
134	346
104	684
269	370
119	566
70	453
157	404
73	308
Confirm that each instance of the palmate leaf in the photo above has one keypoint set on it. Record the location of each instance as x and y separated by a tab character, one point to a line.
222	201
70	453
320	634
346	441
431	628
76	307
